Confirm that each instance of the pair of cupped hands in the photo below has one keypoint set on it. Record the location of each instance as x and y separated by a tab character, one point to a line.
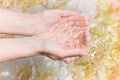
54	49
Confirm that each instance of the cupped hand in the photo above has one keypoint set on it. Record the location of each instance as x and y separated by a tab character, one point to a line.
48	18
57	40
57	51
57	25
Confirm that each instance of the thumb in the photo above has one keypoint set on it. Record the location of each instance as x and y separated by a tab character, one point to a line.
70	59
66	13
73	52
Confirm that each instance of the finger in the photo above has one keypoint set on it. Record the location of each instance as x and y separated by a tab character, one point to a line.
78	17
86	37
79	23
74	52
66	13
69	59
52	57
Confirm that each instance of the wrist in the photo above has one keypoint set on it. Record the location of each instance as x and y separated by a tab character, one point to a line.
39	26
36	44
32	46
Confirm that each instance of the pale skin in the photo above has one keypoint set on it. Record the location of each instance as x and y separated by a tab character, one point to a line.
116	8
33	25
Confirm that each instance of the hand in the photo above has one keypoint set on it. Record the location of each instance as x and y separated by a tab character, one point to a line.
63	34
50	35
56	50
47	18
116	9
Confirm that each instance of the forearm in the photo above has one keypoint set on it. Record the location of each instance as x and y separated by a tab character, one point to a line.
18	48
16	23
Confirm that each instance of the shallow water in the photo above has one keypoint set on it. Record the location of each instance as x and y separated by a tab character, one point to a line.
102	61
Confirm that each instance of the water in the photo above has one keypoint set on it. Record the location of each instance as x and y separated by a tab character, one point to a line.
102	61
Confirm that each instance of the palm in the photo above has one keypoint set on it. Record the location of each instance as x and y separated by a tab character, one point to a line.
50	17
71	34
